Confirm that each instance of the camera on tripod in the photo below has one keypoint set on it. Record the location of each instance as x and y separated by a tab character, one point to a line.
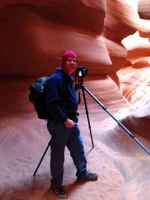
81	72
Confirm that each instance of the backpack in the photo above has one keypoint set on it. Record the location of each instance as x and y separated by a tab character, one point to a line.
37	97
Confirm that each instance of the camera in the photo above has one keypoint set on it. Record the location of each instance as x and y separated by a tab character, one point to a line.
81	72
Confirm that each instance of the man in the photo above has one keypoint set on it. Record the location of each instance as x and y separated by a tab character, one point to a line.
62	124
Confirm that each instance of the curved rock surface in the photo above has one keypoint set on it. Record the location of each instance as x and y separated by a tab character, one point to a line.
144	9
112	39
93	29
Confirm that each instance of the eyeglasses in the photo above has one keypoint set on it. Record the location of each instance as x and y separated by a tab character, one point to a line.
69	60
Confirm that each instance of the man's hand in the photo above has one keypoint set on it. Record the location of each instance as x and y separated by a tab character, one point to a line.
69	123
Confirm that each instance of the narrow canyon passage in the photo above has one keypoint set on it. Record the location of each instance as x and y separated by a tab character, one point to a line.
121	165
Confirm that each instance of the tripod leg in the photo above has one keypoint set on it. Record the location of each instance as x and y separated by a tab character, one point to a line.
126	130
39	163
87	114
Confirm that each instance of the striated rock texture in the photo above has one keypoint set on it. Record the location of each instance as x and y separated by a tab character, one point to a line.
112	38
34	34
144	9
37	35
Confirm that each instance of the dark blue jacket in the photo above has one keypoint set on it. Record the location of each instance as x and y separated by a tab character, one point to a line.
61	101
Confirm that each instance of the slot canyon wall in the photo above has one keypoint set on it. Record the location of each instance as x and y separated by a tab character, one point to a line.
112	38
109	36
34	34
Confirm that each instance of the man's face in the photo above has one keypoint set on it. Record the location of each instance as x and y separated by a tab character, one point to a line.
70	65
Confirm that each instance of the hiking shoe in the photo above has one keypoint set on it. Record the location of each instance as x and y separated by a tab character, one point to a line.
88	176
59	191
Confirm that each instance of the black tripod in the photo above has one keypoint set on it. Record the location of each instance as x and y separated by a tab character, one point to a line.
84	90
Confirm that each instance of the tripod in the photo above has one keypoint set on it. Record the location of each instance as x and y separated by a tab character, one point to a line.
84	90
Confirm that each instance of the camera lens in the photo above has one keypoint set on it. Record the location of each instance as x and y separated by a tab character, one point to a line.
81	71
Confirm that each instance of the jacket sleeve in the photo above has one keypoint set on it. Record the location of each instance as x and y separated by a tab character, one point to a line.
53	100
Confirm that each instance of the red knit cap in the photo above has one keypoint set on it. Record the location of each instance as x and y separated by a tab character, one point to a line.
69	53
